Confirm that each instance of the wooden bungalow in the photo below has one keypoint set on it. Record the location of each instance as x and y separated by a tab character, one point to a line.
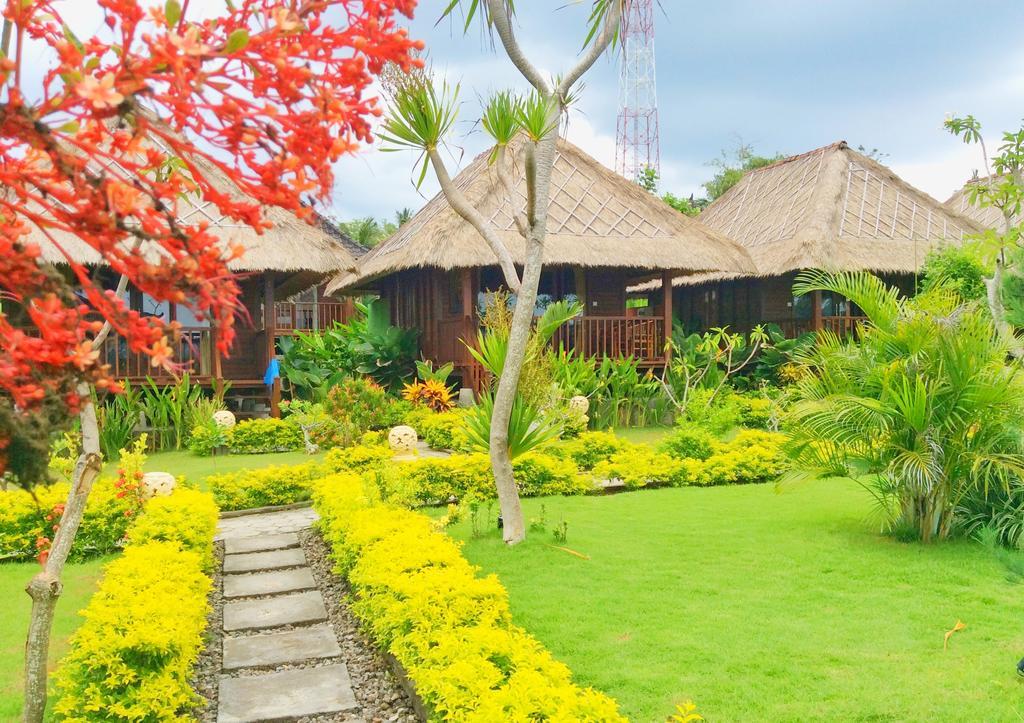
281	276
831	208
604	233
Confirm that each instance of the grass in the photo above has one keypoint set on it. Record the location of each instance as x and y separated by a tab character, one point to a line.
643	435
764	606
196	469
79	584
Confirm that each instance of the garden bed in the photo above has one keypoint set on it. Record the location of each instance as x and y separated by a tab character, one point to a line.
762	606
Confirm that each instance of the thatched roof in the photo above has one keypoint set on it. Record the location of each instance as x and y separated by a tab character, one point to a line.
831	208
987	216
291	245
596	218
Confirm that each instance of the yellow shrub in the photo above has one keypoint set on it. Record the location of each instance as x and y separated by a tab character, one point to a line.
278	485
451	629
187	517
360	458
639	466
132	658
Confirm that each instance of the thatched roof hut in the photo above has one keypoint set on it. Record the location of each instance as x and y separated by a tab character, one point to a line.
984	216
831	208
596	219
290	245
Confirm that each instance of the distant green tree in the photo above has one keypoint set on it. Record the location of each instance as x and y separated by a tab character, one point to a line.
734	166
369	231
690	206
958	268
648	179
403	216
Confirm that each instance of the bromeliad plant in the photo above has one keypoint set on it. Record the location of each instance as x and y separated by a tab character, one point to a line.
924	410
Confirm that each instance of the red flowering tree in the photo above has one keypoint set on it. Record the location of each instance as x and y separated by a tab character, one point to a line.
96	161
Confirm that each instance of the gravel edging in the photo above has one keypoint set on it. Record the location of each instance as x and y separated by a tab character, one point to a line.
206	674
381	697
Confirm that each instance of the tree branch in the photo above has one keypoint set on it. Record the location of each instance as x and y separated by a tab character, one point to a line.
498	13
595	51
485	228
506	181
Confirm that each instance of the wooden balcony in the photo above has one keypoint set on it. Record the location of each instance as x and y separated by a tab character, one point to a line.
194	350
642	338
295	316
842	326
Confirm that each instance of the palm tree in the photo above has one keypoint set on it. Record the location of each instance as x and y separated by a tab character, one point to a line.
923	409
402	216
364	231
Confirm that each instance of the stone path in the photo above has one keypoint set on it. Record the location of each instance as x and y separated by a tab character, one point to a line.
281	659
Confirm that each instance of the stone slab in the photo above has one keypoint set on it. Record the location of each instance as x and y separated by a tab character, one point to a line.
268	583
265	523
303	607
289	694
290	646
272	560
262	543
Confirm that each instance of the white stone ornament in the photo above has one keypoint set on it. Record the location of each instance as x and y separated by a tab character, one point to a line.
579	404
224	419
402	439
158	484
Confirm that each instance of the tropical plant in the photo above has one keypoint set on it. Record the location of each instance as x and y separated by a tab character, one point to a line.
314	362
432	394
777	353
528	427
426	372
923	411
422	115
708	360
999	249
118	418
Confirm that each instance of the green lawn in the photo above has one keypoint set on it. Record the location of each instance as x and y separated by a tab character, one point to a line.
79	585
643	435
764	606
196	469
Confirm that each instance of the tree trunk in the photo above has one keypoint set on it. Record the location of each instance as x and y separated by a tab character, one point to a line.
514	527
45	587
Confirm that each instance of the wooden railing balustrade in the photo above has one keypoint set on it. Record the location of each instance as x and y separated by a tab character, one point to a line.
194	350
309	315
614	336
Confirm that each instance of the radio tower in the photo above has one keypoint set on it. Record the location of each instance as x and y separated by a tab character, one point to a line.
636	147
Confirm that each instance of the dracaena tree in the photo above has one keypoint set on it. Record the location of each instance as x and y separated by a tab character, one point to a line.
100	150
421	117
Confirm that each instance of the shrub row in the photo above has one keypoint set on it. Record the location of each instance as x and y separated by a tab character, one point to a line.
132	657
250	436
690	457
449	628
23	520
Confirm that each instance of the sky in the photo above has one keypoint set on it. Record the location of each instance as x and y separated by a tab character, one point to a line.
784	76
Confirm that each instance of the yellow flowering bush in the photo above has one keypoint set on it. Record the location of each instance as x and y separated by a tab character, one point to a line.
187	517
450	628
590	448
258	436
132	657
360	458
24	520
446	430
752	456
277	485
639	466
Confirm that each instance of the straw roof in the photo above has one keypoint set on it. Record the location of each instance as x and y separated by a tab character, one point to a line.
595	218
831	208
291	244
985	216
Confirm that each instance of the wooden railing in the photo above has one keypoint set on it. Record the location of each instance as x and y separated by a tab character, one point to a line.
309	315
841	325
194	350
614	336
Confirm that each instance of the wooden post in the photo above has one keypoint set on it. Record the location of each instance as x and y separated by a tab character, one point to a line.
218	375
666	308
269	320
816	323
275	398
